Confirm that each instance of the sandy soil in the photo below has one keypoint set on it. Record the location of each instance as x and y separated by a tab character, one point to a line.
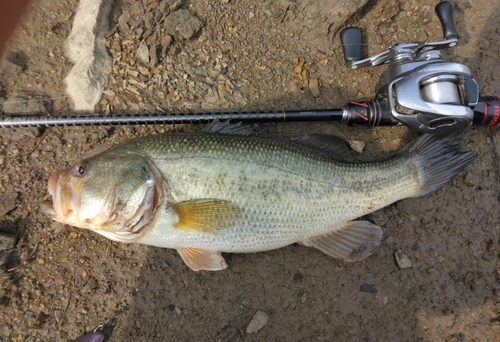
69	280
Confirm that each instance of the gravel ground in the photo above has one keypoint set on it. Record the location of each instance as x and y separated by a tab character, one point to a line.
242	55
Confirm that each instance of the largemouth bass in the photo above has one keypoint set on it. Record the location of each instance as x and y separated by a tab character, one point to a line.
223	191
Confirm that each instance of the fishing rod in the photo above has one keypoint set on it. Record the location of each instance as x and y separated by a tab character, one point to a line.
419	89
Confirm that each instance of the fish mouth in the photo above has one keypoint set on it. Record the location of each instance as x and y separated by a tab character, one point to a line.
64	199
52	185
47	208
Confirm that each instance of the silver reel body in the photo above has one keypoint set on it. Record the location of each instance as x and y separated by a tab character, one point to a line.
424	91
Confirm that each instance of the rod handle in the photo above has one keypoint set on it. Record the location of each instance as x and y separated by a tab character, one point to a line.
487	111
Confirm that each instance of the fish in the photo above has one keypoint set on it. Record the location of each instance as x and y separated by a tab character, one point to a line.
224	190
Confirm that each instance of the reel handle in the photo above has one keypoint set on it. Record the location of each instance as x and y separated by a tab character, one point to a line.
352	44
444	11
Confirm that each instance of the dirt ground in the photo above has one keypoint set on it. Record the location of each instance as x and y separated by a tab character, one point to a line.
247	55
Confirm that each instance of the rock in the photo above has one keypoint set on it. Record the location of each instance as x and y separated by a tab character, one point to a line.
123	21
368	288
7	203
182	24
314	87
356	145
166	40
402	259
136	10
472	179
143	52
259	321
150	21
153	55
86	48
168	6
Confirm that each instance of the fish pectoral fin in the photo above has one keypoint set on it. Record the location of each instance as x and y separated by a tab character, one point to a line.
354	241
206	215
201	259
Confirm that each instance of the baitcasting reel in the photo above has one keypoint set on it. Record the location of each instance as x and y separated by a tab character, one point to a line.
419	89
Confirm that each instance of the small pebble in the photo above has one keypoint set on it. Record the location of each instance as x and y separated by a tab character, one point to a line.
303	298
259	321
402	259
143	52
314	87
357	146
472	179
368	288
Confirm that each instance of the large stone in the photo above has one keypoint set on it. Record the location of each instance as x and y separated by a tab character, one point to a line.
86	48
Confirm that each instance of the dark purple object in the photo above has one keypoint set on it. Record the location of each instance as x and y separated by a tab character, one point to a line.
91	337
95	336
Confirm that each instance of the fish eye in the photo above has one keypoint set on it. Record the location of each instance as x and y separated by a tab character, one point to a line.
81	169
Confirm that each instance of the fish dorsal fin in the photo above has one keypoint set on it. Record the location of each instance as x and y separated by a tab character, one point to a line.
224	127
206	215
201	259
354	241
332	145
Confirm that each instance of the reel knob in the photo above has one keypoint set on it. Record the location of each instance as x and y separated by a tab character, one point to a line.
444	11
352	43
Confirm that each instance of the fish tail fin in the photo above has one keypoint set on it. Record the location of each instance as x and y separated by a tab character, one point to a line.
438	160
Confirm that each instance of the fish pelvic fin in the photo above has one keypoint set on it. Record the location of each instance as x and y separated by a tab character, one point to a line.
206	215
201	259
354	241
438	160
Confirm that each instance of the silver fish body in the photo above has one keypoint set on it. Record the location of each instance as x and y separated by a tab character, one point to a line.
207	193
286	193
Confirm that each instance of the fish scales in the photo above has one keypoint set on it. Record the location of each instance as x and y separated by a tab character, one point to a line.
287	192
207	193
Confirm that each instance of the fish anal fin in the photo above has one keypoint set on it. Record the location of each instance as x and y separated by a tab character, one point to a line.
354	241
201	259
206	215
